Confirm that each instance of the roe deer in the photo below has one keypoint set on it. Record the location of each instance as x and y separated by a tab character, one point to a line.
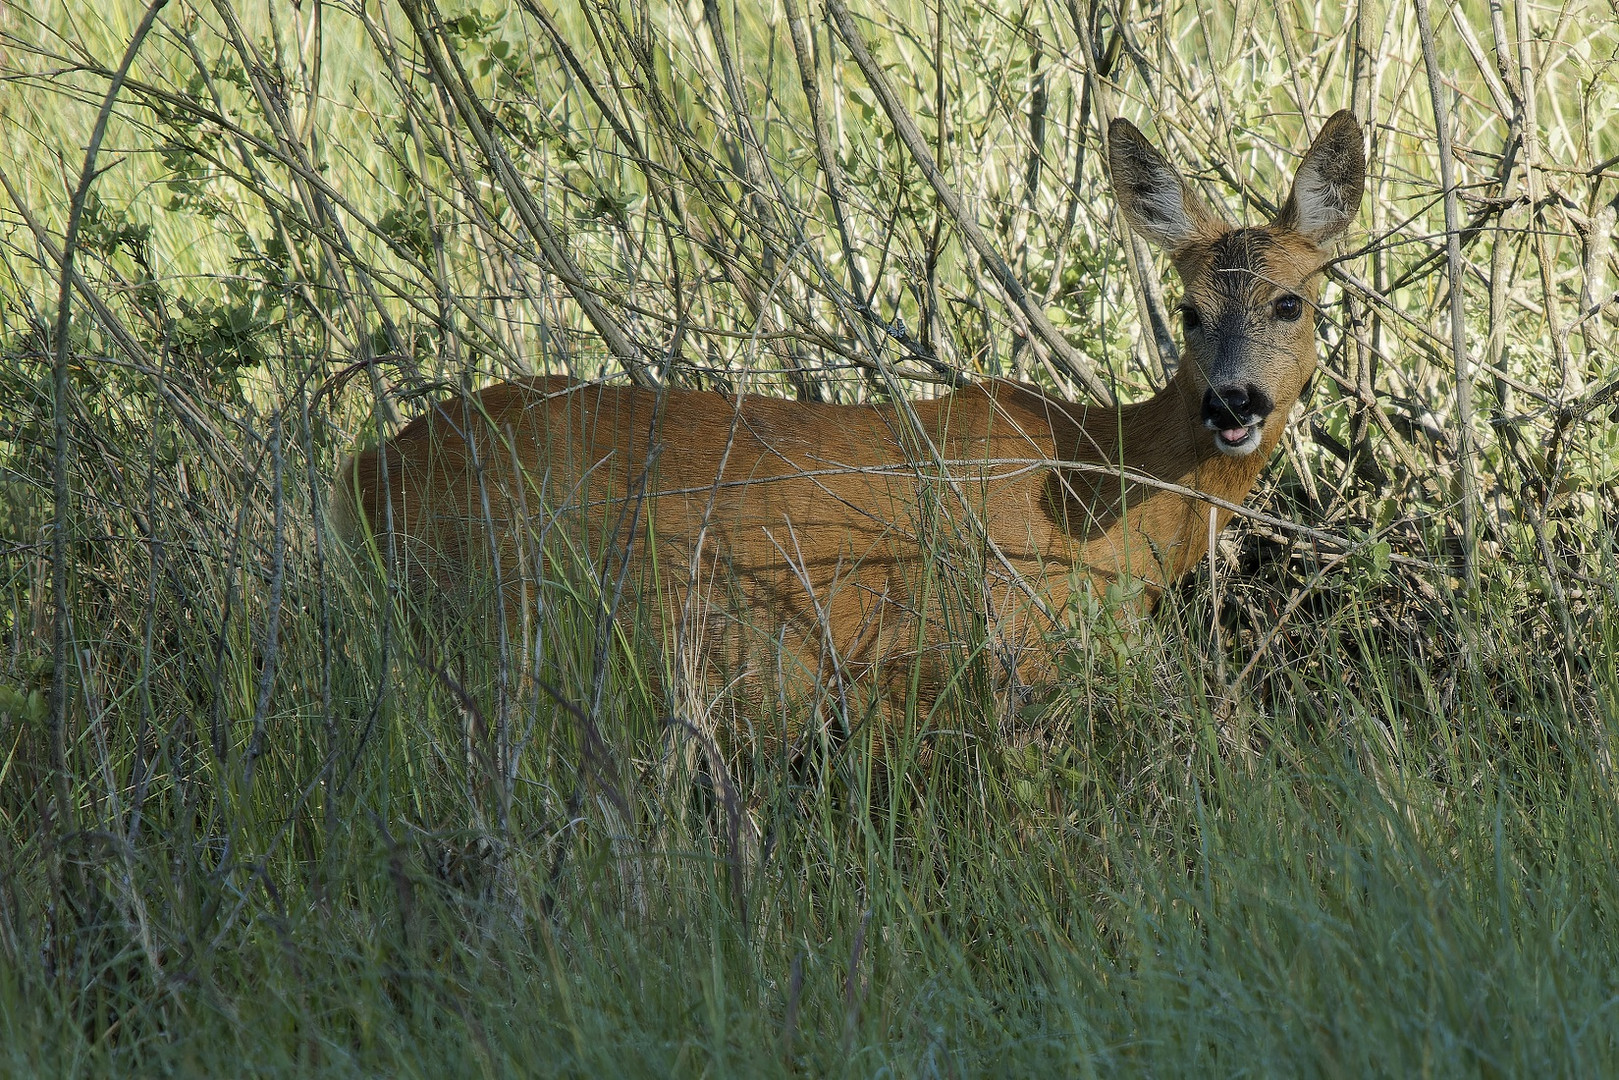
822	542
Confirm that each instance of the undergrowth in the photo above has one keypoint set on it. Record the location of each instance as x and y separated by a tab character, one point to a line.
1342	805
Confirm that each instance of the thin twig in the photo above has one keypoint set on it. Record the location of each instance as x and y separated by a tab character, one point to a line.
62	507
1458	313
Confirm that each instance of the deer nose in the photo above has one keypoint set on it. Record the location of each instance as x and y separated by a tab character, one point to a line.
1235	406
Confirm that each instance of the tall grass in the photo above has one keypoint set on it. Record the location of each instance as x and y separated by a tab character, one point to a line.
1343	805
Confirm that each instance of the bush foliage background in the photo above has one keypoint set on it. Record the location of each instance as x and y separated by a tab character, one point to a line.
1344	805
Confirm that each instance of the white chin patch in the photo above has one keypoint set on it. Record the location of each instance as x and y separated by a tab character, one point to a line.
1237	441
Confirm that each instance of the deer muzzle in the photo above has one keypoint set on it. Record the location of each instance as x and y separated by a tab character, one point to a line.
1236	414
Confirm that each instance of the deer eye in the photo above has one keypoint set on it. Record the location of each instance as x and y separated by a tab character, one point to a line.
1190	320
1288	308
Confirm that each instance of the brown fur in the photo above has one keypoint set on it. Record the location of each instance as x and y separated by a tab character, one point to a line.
807	546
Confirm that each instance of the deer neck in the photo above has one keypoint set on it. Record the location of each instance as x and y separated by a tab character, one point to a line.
1162	438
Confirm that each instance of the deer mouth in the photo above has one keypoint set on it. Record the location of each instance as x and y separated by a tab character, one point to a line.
1236	414
1237	441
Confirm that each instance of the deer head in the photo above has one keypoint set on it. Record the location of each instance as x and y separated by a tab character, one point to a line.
1248	309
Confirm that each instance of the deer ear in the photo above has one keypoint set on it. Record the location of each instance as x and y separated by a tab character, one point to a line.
1151	194
1328	186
